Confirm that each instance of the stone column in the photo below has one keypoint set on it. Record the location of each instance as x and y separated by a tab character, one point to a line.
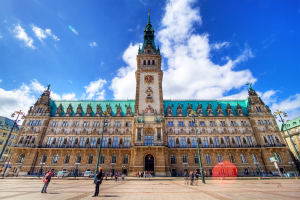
155	136
142	135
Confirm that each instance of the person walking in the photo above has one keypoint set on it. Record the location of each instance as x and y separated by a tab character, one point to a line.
186	181
191	177
116	177
123	177
46	181
196	178
98	181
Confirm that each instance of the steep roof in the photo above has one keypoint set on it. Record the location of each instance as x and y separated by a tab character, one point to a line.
84	103
214	104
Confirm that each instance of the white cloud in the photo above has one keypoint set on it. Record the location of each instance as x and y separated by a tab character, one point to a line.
43	34
291	106
93	44
22	35
123	85
268	97
0	81
189	71
95	89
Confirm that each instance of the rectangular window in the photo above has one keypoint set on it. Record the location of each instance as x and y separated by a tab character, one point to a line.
117	124
294	123
170	124
96	124
4	134
270	138
194	142
149	140
82	141
205	141
85	124
93	141
32	123
249	140
243	123
71	141
226	140
127	142
258	109
116	142
222	123
171	142
201	123
212	123
127	124
191	124
216	141
65	124
12	137
60	141
9	143
75	124
180	124
182	142
238	140
54	124
50	139
104	142
28	139
233	123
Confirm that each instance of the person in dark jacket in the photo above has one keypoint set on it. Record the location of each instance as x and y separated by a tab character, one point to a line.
98	182
46	181
191	177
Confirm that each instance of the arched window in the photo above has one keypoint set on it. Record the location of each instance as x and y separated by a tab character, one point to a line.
148	62
220	159
44	158
208	160
231	158
90	160
153	62
67	159
114	158
78	159
125	159
254	158
173	159
21	158
144	62
277	157
55	159
243	158
196	159
102	159
184	158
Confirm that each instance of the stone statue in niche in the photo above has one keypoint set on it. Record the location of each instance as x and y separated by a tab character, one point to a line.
149	97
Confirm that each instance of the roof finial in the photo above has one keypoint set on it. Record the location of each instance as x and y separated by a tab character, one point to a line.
149	17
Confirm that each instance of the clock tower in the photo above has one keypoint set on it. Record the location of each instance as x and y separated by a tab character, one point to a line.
149	96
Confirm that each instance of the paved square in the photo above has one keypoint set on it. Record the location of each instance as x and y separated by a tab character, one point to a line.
154	189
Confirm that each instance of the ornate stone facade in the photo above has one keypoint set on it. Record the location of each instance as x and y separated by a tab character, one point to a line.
149	129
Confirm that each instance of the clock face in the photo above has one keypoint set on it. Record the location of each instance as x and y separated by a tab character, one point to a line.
148	78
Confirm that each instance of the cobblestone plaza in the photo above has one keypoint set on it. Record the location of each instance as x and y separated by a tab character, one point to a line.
162	188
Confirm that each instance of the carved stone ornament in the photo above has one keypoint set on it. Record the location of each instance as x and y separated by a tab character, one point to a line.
149	97
59	111
69	111
149	110
119	111
98	111
79	111
88	111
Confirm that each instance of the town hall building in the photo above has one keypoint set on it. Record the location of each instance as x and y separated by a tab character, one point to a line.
149	133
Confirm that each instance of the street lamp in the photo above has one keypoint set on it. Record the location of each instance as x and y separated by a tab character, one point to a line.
185	169
76	169
100	146
15	123
292	163
257	168
193	115
40	173
222	170
284	126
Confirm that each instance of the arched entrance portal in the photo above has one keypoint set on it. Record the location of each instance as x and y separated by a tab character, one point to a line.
149	163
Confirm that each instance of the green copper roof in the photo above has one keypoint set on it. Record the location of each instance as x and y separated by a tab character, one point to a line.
84	103
291	124
214	104
149	36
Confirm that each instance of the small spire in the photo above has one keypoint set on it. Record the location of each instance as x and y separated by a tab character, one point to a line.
149	17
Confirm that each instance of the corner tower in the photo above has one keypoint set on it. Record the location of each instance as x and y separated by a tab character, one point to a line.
149	96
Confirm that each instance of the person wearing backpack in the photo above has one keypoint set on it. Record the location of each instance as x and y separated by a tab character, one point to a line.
46	181
98	181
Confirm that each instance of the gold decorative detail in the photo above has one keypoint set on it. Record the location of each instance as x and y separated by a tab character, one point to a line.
148	79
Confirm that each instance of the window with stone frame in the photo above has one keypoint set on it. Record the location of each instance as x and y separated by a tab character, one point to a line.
67	159
75	124
254	158
60	141
182	141
116	142
194	141
180	124
231	158
28	139
171	142
55	159
96	124
104	142
21	158
170	124
114	158
249	140
277	157
71	141
117	124
238	140
258	109
196	159
125	159
158	136
220	159
173	159
216	141
65	124
233	123
94	141
50	140
78	159
127	142
222	123
90	159
243	158
205	141
270	139
102	159
191	124
201	123
82	141
243	123
184	158
44	158
127	124
208	159
85	124
212	123
54	124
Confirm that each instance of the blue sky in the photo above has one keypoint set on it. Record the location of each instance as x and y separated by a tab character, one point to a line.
210	49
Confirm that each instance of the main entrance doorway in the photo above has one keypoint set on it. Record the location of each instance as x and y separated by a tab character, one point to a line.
149	163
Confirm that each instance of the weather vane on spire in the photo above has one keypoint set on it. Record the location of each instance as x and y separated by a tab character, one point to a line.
48	86
250	85
149	12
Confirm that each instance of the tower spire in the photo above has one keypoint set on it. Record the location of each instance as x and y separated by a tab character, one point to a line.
149	17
